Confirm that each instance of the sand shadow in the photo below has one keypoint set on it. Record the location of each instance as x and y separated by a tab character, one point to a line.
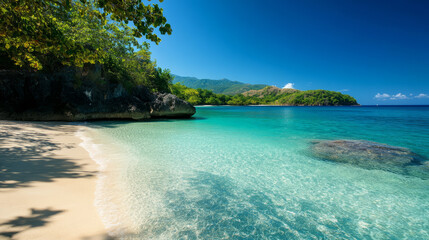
37	218
30	158
98	237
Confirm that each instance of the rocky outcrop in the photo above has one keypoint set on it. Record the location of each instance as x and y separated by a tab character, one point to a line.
73	95
372	155
169	105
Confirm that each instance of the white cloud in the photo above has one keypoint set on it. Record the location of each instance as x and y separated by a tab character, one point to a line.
386	96
382	96
399	96
422	95
288	85
343	90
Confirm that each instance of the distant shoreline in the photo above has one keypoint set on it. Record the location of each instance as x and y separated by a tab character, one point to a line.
265	105
312	106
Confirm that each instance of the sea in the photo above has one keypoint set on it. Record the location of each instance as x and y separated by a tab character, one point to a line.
248	172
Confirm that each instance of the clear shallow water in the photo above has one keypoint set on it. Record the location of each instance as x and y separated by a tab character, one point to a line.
246	173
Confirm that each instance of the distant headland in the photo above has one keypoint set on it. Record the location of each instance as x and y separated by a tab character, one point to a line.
226	92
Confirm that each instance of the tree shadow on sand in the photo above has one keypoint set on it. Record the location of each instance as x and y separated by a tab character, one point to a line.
37	218
27	157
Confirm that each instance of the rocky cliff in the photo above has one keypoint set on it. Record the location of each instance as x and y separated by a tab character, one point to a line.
76	95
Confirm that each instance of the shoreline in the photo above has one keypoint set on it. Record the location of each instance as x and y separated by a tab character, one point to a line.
109	190
47	183
267	105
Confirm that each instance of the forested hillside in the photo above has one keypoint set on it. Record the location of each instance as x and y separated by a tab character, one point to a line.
223	86
266	96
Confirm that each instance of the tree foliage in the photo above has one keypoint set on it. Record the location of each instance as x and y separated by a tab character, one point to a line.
38	33
145	18
50	34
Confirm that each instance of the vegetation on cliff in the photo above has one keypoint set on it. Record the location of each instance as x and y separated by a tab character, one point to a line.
266	96
48	35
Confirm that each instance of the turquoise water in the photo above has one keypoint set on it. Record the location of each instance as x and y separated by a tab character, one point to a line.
247	173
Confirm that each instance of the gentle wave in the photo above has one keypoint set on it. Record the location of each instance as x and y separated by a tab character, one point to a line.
104	197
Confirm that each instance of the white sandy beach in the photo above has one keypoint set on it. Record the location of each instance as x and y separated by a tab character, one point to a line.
47	183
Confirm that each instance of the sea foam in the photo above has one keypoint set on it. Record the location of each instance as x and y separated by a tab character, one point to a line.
106	197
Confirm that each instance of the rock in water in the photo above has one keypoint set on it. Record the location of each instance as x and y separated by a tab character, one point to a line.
372	155
169	105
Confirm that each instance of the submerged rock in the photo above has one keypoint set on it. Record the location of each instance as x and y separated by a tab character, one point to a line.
372	155
70	95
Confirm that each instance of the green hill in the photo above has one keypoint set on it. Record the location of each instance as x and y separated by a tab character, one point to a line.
275	96
222	86
267	96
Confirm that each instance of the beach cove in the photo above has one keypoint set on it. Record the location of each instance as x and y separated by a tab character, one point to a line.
237	120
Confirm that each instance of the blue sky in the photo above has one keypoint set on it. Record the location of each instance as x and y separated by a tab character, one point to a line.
376	51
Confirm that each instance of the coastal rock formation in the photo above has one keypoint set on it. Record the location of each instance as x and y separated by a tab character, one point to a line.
169	105
372	155
71	95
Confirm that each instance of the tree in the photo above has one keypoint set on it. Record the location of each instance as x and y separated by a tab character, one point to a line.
213	101
38	33
146	18
178	90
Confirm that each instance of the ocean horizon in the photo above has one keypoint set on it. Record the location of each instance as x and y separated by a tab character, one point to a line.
249	173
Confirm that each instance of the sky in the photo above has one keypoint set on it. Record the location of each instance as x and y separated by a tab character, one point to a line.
375	51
